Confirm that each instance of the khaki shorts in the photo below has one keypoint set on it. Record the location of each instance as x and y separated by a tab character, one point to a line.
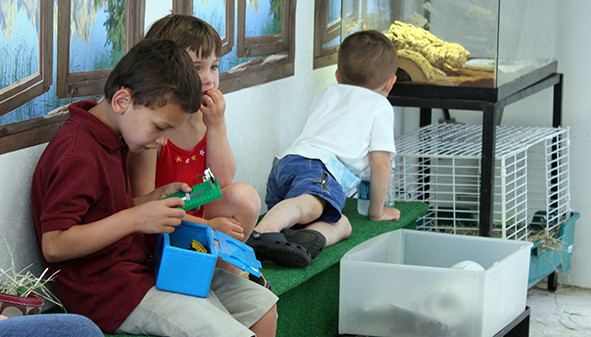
232	306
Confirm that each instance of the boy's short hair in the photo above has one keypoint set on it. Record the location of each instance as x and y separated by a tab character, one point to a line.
367	59
157	72
188	32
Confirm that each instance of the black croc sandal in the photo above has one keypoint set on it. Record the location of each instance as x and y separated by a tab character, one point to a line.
310	239
275	247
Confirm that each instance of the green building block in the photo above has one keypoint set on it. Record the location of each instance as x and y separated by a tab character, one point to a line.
202	194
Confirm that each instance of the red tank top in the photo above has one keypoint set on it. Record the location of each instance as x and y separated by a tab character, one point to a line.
176	164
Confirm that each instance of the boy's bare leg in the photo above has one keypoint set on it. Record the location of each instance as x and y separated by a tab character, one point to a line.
267	325
333	232
299	210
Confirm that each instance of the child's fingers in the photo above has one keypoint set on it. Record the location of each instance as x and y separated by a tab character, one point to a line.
177	213
206	100
211	98
172	188
215	95
173	202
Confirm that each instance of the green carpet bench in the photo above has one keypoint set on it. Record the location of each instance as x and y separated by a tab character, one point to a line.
309	297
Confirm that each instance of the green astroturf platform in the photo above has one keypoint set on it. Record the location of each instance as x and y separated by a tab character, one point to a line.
309	297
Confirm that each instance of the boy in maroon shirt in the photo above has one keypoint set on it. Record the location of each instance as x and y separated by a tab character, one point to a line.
90	227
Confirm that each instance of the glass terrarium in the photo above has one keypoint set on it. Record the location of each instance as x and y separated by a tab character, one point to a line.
463	43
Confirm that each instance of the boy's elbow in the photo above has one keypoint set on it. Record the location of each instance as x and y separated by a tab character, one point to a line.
52	255
52	251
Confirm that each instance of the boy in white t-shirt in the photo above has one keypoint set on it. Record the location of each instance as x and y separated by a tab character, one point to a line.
350	126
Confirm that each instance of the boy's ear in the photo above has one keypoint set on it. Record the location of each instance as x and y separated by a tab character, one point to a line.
389	84
121	100
338	76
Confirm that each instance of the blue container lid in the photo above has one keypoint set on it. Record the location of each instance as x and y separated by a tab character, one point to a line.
237	253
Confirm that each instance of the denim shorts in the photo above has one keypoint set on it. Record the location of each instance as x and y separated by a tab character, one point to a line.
295	175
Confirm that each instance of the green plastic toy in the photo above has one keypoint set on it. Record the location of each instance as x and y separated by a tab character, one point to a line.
203	193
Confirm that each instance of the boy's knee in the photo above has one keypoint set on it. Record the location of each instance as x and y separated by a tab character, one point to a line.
244	197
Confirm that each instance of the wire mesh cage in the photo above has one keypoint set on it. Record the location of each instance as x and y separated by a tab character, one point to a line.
440	164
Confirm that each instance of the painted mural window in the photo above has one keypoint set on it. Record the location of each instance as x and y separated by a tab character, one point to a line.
220	15
90	36
257	36
327	32
25	46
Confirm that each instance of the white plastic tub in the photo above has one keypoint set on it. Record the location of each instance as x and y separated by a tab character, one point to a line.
401	284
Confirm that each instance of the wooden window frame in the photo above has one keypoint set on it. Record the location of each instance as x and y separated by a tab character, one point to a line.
260	72
186	7
88	83
262	45
39	83
31	132
324	32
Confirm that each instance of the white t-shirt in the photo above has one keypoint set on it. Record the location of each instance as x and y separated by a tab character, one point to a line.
349	122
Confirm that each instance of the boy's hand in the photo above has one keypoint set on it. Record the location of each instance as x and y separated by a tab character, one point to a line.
213	108
159	216
162	192
227	226
166	190
388	214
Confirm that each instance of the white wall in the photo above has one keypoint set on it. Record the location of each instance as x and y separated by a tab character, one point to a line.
574	50
263	120
16	221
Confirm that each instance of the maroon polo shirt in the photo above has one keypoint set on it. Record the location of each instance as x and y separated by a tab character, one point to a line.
81	178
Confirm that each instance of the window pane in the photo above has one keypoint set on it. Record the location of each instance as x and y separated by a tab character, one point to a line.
264	17
334	18
155	9
19	43
97	39
213	12
334	11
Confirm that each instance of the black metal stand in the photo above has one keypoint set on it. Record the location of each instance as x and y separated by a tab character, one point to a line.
519	327
491	101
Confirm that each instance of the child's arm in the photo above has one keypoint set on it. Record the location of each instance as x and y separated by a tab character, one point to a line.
219	155
160	216
228	226
142	172
381	165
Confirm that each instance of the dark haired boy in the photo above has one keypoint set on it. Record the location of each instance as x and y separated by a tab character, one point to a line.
90	227
350	126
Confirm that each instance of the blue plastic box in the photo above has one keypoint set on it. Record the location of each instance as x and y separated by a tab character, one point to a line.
182	270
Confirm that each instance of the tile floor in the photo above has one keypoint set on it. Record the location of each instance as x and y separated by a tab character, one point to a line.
564	313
